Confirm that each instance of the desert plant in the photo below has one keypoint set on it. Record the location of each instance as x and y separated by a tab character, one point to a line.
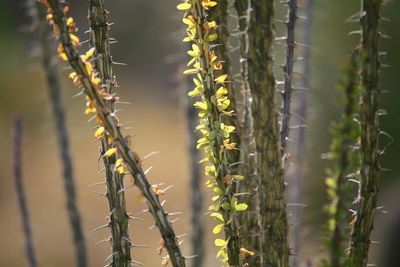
54	87
249	219
121	157
369	132
243	134
102	63
271	185
288	74
343	156
210	85
26	225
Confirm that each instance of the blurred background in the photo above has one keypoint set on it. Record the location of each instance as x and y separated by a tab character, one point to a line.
149	34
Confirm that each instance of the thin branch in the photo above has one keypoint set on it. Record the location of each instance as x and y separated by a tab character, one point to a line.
298	155
54	89
29	246
288	73
248	220
197	198
99	39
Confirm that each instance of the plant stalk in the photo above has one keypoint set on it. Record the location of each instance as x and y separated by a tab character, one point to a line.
298	154
369	132
231	229
54	88
219	14
29	246
271	190
99	37
248	220
113	129
288	74
344	136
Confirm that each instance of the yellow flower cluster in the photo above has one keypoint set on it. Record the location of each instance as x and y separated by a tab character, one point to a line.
96	82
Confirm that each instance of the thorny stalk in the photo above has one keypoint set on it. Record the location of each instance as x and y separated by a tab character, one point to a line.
288	75
197	198
248	220
118	221
271	190
210	80
54	87
369	133
219	14
344	161
298	155
85	78
29	246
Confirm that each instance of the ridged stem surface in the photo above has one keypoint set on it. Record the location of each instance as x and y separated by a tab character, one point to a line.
54	88
369	132
100	40
344	136
273	219
248	220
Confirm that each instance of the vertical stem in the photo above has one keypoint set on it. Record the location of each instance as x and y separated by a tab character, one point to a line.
29	247
271	190
54	88
219	14
248	220
231	229
99	37
369	131
195	185
288	74
298	154
344	135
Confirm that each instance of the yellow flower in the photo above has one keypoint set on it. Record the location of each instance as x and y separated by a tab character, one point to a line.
74	39
184	6
244	252
221	92
88	54
110	152
223	103
221	79
207	4
99	132
228	145
195	52
63	56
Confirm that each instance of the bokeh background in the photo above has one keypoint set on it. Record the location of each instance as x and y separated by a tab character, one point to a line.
149	34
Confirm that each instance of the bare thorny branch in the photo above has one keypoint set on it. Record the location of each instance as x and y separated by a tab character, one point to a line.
54	87
111	126
29	246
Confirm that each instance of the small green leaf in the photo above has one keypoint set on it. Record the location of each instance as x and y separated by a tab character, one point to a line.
190	71
218	191
220	242
217	229
241	207
184	6
217	216
226	206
